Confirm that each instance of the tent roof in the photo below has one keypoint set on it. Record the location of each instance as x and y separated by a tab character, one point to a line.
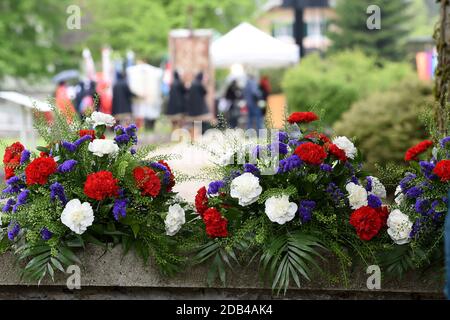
248	45
24	100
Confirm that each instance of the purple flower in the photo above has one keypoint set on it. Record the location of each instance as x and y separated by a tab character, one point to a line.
215	186
406	180
282	136
427	169
160	166
46	234
21	199
256	152
415	228
131	130
119	129
289	163
278	147
71	147
294	143
67	166
336	193
12	189
8	205
82	139
354	179
369	184
326	167
25	156
13	231
57	191
444	141
305	209
133	151
414	192
374	201
421	205
248	167
120	208
122	138
13	180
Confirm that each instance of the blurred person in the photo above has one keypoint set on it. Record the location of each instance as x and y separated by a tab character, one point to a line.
86	94
266	89
197	108
252	95
233	95
121	102
63	101
176	106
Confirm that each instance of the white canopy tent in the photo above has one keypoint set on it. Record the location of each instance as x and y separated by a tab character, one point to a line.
253	48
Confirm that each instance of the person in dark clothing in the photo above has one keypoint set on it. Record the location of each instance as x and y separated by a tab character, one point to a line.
196	99
265	88
121	103
233	95
86	96
176	106
252	95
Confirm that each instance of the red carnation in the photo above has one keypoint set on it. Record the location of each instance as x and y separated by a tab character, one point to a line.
101	185
418	149
91	133
171	178
311	153
216	225
338	153
38	171
147	181
321	136
442	170
302	117
201	201
11	158
368	221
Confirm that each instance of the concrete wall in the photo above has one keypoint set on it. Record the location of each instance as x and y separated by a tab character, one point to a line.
109	276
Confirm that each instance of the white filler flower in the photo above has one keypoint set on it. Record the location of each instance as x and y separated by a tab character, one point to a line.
346	145
378	188
174	219
77	216
357	195
399	227
100	147
246	188
399	196
100	118
280	210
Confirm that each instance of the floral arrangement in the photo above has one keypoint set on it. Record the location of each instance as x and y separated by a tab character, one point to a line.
316	199
86	188
416	223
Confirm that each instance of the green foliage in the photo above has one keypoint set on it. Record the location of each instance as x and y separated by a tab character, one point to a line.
352	31
386	124
336	82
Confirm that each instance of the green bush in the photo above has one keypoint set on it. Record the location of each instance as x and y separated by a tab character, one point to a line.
334	83
387	123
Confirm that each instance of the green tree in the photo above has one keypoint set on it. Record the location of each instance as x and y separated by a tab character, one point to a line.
29	31
352	32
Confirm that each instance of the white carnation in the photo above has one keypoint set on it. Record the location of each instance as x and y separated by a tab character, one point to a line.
77	216
100	147
280	210
357	195
174	219
378	188
346	145
246	188
399	227
100	118
399	196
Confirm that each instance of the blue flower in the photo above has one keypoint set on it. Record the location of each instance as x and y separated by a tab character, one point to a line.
289	163
71	147
282	136
120	208
81	140
215	186
374	201
21	199
25	156
427	169
67	166
326	167
248	167
46	234
305	209
13	231
13	180
421	205
133	151
119	129
336	193
131	130
369	184
160	166
444	141
57	191
12	189
278	147
414	192
404	183
8	205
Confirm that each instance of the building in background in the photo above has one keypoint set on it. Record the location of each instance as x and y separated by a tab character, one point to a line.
278	20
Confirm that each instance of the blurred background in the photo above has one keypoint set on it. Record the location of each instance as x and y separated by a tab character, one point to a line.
366	66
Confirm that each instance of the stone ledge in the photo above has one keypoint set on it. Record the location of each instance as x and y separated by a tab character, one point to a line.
112	276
